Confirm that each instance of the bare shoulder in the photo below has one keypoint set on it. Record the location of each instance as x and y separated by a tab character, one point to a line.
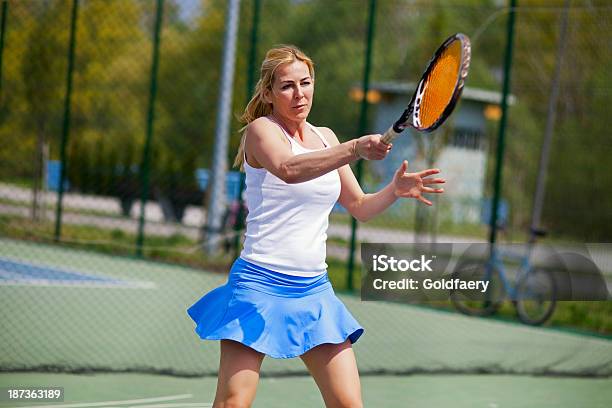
259	126
262	128
329	135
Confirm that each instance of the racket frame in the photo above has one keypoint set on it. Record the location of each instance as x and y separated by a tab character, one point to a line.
409	117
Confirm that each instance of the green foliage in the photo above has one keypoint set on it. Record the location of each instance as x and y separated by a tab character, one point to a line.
575	205
113	67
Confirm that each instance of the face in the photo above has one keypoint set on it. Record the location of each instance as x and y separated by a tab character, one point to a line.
292	91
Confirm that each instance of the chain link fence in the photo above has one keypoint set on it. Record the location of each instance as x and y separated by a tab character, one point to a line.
115	204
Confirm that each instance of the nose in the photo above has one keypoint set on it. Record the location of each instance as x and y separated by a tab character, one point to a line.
299	93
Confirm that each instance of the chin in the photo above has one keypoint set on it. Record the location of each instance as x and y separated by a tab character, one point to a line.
303	115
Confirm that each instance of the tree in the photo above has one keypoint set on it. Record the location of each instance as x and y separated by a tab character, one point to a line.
42	73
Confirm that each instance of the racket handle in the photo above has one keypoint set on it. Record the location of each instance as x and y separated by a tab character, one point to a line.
389	135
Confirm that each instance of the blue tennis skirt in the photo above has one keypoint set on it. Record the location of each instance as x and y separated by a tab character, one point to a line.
280	315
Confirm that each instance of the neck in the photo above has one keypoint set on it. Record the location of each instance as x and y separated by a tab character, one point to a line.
293	128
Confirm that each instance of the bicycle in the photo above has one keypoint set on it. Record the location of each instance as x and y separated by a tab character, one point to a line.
533	293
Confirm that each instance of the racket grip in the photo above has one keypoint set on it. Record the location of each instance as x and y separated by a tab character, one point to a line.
389	135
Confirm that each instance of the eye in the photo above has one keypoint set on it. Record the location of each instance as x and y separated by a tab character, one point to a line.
286	86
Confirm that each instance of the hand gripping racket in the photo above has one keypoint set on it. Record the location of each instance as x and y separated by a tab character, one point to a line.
439	89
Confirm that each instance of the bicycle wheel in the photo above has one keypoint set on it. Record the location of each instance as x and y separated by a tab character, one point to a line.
535	297
474	302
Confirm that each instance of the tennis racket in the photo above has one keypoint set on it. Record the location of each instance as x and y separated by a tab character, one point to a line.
438	90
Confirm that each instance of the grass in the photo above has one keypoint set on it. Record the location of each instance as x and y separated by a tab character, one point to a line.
407	224
334	240
594	317
175	248
19	182
65	210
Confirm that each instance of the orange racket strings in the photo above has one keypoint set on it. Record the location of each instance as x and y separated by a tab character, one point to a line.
440	85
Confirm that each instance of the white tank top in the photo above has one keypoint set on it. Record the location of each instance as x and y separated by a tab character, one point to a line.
287	223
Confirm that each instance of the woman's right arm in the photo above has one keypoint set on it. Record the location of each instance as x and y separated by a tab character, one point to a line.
266	146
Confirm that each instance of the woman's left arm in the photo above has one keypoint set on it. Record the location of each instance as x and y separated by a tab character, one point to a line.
364	206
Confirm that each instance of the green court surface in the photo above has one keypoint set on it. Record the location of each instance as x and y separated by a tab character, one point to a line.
66	311
486	391
72	311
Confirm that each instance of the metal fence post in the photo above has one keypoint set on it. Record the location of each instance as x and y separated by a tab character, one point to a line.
550	122
66	124
502	124
2	30
144	169
363	123
217	201
239	225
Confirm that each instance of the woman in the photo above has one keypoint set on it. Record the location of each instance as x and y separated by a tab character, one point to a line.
278	300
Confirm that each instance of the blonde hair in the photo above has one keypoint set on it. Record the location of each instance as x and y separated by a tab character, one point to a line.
257	106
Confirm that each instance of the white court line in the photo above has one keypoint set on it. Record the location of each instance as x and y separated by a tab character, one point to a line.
107	403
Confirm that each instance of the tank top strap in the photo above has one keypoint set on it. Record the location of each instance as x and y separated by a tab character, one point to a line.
318	133
292	141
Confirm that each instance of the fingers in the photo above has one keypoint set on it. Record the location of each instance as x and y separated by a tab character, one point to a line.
401	171
428	181
428	172
432	190
424	200
382	147
378	153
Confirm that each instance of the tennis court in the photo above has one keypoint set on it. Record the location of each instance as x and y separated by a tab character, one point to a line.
117	322
487	391
111	112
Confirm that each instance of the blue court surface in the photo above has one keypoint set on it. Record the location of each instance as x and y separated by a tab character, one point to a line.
18	273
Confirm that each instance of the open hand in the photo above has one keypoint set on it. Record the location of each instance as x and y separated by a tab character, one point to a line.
413	185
